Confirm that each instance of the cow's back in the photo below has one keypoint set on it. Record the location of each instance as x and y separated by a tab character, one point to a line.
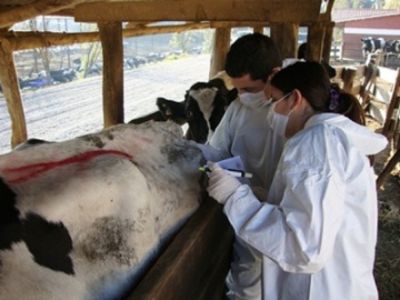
86	214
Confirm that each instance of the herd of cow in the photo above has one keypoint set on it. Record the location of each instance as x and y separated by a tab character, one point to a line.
371	45
85	217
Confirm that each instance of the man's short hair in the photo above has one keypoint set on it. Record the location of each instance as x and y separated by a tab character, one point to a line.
254	54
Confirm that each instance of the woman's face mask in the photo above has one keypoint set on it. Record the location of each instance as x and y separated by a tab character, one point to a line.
278	121
254	100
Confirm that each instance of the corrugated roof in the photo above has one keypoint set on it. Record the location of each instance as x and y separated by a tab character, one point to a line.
346	15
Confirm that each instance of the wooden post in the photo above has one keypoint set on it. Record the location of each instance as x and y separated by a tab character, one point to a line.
10	85
221	43
113	85
388	168
258	29
393	104
285	36
315	41
326	52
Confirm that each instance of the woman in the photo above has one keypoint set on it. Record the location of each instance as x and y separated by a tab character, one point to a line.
317	232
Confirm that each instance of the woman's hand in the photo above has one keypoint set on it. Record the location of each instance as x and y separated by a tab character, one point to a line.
221	185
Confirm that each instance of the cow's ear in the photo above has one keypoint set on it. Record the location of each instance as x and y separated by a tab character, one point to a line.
218	83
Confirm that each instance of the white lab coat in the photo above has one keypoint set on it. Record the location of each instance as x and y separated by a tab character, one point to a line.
245	131
318	231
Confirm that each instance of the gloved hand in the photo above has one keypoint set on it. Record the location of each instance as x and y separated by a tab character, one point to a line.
221	185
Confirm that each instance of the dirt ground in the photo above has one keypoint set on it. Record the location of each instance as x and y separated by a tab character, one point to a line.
387	263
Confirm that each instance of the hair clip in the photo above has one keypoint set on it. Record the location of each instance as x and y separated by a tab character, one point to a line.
333	99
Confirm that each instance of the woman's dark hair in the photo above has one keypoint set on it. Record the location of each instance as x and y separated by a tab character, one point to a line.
254	54
312	80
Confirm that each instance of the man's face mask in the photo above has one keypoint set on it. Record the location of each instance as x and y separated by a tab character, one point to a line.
278	121
254	100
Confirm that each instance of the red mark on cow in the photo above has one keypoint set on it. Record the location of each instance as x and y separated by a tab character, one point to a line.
33	170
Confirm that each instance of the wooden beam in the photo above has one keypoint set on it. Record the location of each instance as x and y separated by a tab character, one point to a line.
197	10
231	24
195	263
258	29
10	86
113	73
20	40
68	12
388	168
285	36
394	103
327	42
36	8
221	43
315	41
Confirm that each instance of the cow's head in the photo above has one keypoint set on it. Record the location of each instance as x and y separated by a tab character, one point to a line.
203	108
172	110
366	45
205	105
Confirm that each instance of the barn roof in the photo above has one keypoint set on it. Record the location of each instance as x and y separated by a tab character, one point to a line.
346	15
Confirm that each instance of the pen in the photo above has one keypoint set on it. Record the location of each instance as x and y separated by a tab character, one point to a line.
233	172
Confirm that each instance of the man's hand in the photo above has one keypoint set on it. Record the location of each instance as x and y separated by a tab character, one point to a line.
221	185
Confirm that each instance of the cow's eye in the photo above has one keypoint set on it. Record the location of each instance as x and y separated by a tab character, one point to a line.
189	114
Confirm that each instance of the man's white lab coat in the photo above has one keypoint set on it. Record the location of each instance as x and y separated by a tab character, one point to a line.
245	131
317	233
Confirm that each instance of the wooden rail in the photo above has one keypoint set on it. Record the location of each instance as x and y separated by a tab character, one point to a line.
195	263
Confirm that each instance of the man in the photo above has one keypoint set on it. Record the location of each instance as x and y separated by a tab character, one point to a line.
245	131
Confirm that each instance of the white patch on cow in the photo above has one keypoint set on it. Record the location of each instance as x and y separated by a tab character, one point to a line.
205	100
117	210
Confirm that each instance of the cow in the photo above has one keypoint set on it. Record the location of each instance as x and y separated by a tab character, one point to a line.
392	46
371	45
167	110
83	218
203	108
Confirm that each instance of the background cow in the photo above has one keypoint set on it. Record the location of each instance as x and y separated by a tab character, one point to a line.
80	219
203	108
370	45
392	46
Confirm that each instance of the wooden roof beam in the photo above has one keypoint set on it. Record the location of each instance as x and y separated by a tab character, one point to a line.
21	40
232	24
29	11
196	10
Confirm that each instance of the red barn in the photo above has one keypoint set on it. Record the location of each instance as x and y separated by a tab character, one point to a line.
359	23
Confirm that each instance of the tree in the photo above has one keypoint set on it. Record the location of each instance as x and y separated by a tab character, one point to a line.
92	54
42	52
363	4
392	4
183	40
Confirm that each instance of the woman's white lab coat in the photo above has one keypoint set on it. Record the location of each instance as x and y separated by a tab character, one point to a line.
317	233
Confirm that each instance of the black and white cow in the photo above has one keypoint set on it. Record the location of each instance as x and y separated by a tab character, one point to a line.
371	45
203	108
81	219
392	46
